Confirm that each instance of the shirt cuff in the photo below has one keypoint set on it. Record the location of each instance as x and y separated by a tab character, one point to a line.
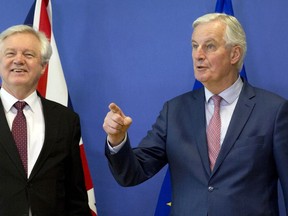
116	149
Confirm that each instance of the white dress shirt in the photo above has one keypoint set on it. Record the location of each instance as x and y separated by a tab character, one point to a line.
227	106
35	123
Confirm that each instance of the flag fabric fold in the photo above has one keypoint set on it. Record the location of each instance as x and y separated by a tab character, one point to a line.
165	195
52	84
224	6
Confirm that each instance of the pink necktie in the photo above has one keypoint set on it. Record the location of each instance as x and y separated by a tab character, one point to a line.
19	131
214	131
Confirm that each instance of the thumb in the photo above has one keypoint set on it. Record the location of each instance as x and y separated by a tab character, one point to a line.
127	121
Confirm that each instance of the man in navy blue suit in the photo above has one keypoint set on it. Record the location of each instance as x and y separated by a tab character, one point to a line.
253	135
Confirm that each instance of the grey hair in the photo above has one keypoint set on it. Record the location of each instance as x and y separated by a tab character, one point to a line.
46	49
234	34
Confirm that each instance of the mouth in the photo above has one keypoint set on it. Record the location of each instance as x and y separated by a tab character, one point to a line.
200	67
18	70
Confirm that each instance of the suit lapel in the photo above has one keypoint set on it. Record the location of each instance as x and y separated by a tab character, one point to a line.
8	143
51	132
199	116
239	118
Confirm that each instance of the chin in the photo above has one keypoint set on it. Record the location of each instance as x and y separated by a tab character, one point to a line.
201	79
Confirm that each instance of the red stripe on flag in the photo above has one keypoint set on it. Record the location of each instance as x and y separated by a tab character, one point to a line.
93	213
44	26
42	84
88	179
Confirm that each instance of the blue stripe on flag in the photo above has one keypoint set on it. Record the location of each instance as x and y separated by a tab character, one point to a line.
30	16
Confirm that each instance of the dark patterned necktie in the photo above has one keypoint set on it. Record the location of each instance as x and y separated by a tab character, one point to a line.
19	131
214	132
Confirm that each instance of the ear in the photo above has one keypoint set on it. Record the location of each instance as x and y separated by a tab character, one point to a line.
44	66
235	54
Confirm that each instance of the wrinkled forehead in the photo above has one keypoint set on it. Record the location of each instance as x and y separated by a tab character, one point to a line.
20	39
213	30
26	34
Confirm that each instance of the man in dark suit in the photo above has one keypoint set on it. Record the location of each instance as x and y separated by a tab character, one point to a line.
44	177
222	163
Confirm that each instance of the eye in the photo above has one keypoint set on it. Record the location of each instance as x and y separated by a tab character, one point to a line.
194	46
9	54
29	55
210	47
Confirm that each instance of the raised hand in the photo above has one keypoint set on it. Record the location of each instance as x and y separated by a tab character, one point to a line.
116	124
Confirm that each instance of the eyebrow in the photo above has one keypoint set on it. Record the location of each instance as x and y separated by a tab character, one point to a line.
25	50
206	41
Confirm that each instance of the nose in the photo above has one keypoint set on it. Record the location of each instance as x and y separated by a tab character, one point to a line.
198	54
18	59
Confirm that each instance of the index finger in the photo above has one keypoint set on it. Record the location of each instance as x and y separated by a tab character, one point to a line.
115	109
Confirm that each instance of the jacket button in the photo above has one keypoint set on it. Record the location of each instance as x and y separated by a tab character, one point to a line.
210	188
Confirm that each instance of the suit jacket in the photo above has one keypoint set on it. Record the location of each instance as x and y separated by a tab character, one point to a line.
56	184
253	156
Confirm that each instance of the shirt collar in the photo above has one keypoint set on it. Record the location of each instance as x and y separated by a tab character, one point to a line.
9	100
230	94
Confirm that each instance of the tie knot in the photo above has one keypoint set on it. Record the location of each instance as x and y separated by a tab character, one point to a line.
19	105
217	100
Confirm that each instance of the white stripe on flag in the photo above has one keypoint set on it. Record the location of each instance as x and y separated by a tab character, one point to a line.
56	84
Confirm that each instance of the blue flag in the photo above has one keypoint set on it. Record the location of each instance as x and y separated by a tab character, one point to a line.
225	6
165	196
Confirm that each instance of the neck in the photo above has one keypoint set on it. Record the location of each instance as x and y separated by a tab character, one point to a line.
218	87
19	93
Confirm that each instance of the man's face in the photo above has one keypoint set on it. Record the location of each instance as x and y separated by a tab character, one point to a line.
214	63
20	62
